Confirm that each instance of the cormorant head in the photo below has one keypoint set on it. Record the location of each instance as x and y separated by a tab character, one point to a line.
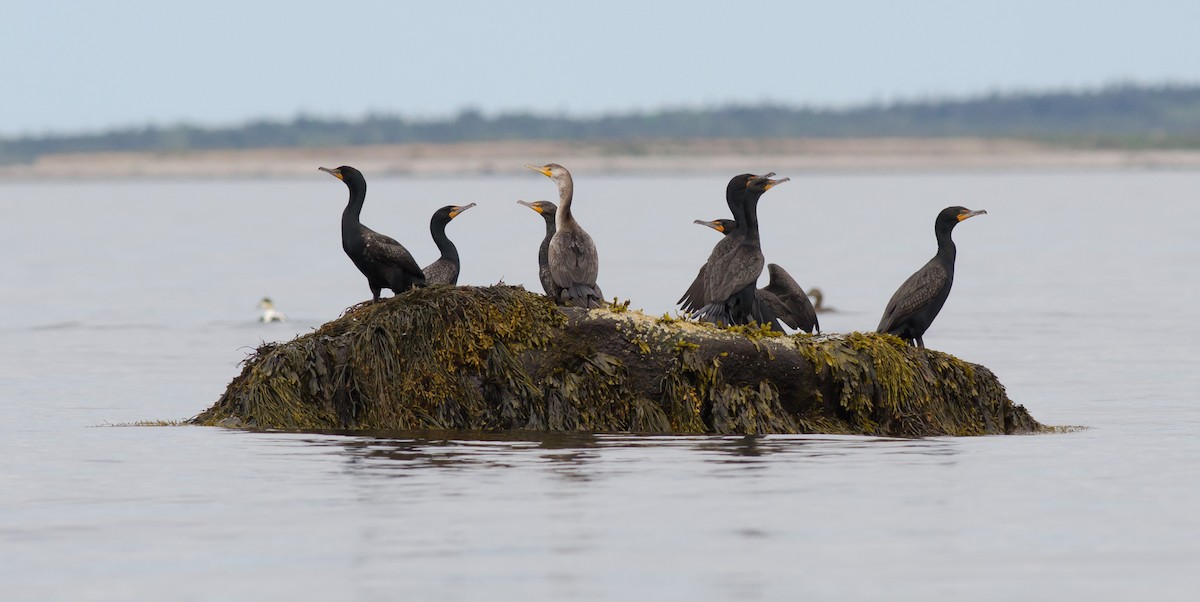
724	226
764	183
449	212
739	182
545	208
554	171
950	216
345	173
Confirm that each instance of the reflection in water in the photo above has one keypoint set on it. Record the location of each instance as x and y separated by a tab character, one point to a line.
570	455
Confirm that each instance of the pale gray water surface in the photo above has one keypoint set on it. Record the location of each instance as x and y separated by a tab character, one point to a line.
134	300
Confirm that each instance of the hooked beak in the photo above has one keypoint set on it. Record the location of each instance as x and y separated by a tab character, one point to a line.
773	183
545	171
457	210
963	216
714	225
337	173
537	208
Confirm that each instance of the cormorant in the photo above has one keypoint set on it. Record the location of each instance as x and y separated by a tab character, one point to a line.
269	313
547	211
694	298
917	302
445	269
782	295
730	281
818	299
572	256
385	262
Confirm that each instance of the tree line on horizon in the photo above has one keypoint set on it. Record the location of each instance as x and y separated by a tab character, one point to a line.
1126	116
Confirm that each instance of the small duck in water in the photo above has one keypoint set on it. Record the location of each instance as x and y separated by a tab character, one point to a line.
269	313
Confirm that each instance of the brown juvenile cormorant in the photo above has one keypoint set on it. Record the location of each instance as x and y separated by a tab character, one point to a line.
782	295
917	302
547	211
445	269
573	261
730	281
694	298
385	262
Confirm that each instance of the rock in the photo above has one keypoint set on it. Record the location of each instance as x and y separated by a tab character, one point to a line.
500	357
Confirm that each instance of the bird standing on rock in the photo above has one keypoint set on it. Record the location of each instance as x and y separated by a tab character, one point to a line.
782	295
385	262
917	302
731	280
572	258
547	210
445	269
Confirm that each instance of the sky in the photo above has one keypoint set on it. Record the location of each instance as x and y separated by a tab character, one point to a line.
84	66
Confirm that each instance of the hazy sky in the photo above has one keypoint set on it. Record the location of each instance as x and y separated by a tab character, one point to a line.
76	66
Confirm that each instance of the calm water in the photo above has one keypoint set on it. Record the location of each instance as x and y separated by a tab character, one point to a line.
133	300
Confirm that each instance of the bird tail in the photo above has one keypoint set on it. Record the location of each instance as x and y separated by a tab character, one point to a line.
582	295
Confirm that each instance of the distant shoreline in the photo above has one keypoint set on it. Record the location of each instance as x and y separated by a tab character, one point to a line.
618	156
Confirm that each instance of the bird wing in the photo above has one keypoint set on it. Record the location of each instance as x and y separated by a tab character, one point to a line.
788	301
384	249
919	290
573	259
693	299
735	271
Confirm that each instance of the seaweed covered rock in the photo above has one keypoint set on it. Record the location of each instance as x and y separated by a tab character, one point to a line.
499	357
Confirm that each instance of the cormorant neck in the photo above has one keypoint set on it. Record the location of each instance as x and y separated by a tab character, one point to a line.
750	209
566	192
946	248
358	193
444	244
550	226
737	206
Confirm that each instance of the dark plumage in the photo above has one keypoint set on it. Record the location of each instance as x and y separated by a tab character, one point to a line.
730	280
572	258
917	302
385	262
782	296
445	269
547	210
695	298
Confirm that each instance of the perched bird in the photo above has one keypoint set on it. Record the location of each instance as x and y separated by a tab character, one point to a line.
572	258
694	298
730	280
917	302
385	262
269	313
782	295
547	211
445	269
818	301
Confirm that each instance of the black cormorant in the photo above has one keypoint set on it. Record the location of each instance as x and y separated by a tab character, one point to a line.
782	295
694	298
385	262
547	211
572	257
917	302
730	281
445	269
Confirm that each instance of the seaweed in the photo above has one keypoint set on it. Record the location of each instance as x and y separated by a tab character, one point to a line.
501	358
